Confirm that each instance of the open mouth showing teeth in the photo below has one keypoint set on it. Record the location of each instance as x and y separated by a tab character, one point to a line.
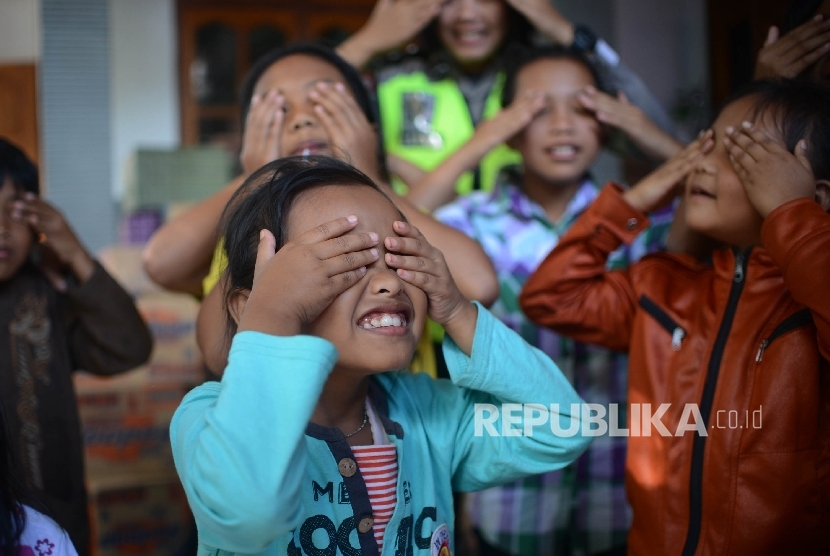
563	151
470	35
696	191
382	321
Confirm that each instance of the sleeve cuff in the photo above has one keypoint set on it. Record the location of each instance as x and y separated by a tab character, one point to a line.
623	221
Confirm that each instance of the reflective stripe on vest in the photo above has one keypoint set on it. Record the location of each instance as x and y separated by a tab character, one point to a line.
444	111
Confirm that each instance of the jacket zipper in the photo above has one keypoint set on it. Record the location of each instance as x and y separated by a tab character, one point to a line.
677	332
696	475
796	320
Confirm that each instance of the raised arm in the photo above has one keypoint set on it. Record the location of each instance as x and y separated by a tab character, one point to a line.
630	119
571	291
106	332
437	188
178	255
391	24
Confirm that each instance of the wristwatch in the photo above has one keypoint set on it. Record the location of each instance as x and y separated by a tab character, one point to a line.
584	38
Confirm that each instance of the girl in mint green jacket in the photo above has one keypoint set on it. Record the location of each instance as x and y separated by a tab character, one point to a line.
315	442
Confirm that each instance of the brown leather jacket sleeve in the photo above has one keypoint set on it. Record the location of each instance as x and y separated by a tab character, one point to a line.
571	291
797	237
106	331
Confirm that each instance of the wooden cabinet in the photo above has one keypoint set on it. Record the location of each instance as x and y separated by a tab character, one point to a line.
219	40
737	31
18	107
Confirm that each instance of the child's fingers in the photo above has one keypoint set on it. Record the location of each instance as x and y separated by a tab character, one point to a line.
797	37
350	261
428	283
748	141
346	243
519	114
410	242
344	99
587	98
336	101
260	116
345	280
772	36
265	252
808	59
329	121
738	158
413	263
328	230
409	246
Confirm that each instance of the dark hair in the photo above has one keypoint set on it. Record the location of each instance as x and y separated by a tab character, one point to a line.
265	200
12	516
521	58
798	13
520	32
351	77
800	110
16	166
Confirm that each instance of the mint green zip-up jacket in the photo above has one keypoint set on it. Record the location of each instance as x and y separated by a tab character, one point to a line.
261	479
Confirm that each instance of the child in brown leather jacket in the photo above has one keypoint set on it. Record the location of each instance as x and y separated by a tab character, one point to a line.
729	380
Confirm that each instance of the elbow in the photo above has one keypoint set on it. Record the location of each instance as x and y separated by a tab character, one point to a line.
168	273
244	525
154	265
486	290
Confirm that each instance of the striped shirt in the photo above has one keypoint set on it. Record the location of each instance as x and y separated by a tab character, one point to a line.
379	466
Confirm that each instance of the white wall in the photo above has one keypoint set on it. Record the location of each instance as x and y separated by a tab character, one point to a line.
144	92
19	31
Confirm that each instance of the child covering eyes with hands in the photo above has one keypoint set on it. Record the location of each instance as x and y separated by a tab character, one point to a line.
747	333
313	441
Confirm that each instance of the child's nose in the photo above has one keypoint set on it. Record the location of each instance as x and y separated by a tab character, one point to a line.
560	119
467	9
302	120
384	279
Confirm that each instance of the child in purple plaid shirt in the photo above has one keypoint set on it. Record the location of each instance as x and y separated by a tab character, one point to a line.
555	117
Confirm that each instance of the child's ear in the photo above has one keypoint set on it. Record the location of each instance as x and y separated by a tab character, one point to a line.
236	304
823	194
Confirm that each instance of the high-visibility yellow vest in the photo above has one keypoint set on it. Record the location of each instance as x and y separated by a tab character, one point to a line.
425	121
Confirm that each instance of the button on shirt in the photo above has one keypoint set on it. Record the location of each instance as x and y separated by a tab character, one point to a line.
580	509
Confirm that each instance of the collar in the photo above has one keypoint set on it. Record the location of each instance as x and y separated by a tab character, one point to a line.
758	264
508	196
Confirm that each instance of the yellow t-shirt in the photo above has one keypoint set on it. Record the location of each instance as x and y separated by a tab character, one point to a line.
422	362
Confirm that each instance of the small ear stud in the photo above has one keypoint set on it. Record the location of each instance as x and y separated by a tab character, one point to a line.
42	238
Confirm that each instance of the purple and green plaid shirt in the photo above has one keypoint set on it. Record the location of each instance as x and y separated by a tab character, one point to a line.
581	509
